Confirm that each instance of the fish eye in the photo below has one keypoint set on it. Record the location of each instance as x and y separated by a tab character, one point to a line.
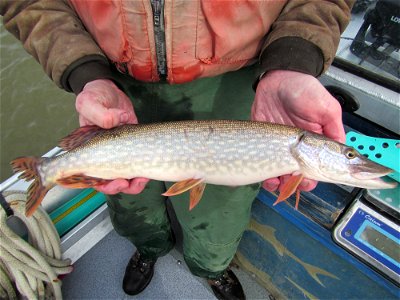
350	153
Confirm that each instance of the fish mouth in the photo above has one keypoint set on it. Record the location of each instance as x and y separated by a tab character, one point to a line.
369	176
378	183
369	170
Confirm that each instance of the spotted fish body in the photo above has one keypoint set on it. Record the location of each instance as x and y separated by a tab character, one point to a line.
225	153
221	152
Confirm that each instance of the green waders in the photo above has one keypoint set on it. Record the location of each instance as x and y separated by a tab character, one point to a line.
212	230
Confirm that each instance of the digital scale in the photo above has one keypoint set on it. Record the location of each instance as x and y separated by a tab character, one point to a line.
372	232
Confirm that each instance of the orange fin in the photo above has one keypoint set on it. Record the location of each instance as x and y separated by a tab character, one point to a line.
297	199
182	186
195	194
27	165
80	136
36	191
289	188
80	181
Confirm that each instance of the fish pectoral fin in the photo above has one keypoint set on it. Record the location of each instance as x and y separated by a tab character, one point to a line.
289	188
80	181
195	194
182	186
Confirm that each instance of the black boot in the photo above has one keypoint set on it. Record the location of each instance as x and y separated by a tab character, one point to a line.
138	274
227	286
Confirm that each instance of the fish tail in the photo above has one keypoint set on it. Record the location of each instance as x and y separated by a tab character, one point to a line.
36	191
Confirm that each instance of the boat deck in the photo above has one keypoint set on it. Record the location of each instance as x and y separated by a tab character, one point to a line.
98	275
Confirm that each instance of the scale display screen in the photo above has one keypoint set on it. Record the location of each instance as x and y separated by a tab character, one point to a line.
380	241
372	237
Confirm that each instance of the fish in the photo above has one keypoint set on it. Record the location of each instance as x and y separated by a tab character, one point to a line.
195	153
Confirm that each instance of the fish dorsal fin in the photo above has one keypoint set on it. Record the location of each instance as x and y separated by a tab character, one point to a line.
80	136
195	194
182	186
289	188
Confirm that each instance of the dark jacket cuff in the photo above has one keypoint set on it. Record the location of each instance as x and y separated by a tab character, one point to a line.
84	70
291	53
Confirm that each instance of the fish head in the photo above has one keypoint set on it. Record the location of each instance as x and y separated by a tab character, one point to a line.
323	159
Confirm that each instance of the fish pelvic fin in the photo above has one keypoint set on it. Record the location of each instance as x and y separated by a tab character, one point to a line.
80	181
36	191
182	186
80	136
196	187
289	188
195	195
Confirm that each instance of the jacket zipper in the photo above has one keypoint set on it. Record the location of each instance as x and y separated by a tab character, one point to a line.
159	37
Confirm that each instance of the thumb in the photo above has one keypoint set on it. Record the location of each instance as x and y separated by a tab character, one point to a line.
332	126
91	108
335	131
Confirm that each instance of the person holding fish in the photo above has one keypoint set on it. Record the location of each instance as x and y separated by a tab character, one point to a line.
153	61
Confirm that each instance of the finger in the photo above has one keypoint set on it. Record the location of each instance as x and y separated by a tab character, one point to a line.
113	187
132	119
335	131
307	185
254	114
271	184
83	121
282	180
136	186
332	124
91	108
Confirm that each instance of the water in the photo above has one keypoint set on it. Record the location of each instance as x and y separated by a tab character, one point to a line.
34	113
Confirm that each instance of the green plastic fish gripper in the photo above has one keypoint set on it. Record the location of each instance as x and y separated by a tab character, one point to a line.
382	151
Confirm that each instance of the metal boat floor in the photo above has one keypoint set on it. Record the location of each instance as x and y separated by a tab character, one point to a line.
98	275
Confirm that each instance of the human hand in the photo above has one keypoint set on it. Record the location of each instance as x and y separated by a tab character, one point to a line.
103	104
297	99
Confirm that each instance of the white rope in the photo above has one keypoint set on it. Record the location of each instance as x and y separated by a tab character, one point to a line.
30	269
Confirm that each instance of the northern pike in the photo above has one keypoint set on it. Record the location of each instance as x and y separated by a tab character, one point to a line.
193	153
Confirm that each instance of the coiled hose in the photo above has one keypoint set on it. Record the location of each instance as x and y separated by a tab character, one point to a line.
30	268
